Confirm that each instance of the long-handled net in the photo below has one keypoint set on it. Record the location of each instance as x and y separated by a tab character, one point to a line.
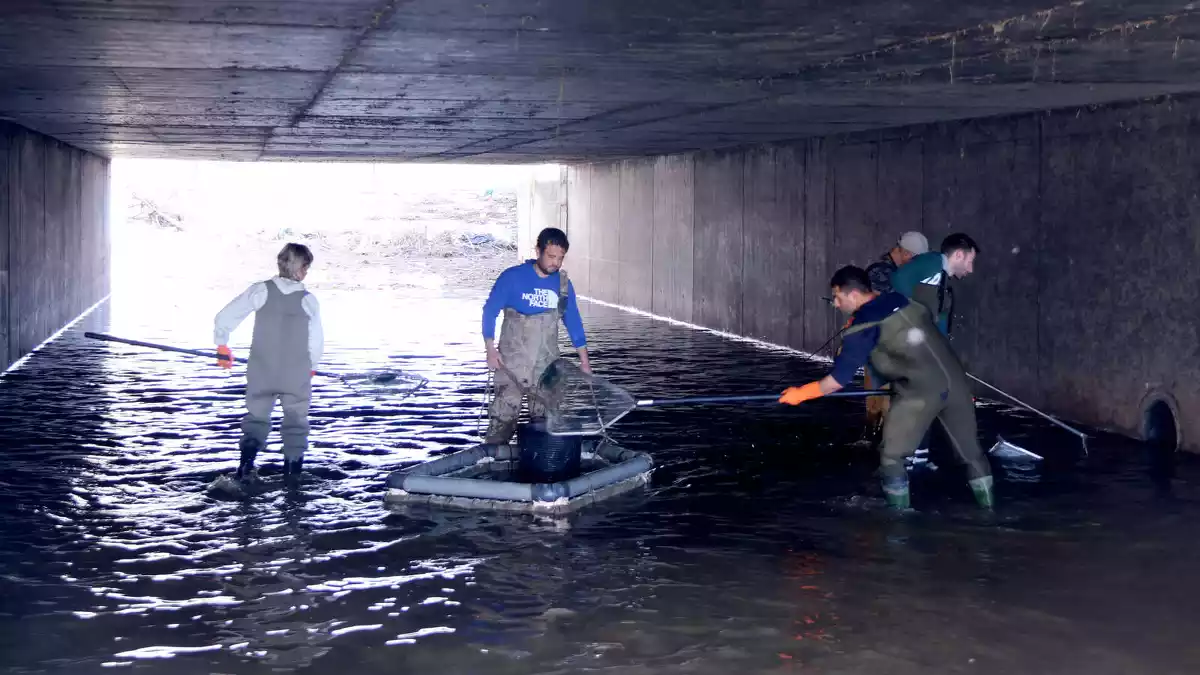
391	382
582	404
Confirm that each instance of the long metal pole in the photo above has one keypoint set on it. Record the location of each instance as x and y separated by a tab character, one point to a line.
378	379
755	397
1082	436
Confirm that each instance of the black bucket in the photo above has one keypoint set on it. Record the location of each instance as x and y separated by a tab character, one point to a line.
546	458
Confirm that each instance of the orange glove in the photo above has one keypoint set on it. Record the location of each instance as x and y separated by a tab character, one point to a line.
798	395
226	362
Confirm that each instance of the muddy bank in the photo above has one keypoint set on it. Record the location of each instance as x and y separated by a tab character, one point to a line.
343	260
370	239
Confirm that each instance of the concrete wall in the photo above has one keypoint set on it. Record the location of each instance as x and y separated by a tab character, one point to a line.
1089	221
541	203
54	237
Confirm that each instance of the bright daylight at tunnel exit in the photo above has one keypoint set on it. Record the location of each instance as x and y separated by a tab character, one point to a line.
524	336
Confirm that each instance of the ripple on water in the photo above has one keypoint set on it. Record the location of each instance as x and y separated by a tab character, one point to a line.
759	546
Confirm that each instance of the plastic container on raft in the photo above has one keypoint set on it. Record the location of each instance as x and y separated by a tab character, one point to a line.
482	477
545	458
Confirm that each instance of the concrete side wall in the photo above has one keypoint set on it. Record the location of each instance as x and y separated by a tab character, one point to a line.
54	238
1089	222
541	203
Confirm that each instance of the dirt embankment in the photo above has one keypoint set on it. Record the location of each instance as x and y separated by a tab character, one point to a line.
459	240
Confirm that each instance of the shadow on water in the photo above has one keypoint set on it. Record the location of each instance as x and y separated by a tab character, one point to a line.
761	545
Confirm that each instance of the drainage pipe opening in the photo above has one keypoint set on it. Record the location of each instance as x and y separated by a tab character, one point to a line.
1159	427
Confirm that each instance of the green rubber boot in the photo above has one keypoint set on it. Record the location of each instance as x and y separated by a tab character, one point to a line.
982	487
895	489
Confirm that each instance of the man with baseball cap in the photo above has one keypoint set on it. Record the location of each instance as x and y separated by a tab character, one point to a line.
909	245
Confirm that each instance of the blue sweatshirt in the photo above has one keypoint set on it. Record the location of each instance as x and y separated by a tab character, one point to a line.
523	289
856	347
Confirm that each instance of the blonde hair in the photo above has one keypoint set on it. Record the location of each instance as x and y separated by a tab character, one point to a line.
292	259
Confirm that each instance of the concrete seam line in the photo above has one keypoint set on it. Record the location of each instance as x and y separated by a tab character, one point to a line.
379	16
21	361
762	344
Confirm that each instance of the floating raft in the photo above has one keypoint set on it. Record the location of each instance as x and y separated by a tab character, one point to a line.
479	477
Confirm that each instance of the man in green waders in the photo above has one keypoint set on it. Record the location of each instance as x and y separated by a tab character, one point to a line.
534	297
924	278
900	341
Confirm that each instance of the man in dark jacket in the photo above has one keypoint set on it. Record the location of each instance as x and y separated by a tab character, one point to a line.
899	339
924	279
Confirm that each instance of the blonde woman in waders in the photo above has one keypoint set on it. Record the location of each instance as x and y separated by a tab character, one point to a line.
905	347
285	350
534	297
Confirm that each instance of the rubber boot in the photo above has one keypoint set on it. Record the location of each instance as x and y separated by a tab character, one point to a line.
291	471
245	470
982	487
895	489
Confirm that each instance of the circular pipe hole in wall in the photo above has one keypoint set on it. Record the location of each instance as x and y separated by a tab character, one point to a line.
1159	427
1161	433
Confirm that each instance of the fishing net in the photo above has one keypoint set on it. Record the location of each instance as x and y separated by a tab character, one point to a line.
396	385
578	403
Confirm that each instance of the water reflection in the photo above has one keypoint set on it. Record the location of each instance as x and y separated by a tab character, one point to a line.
761	545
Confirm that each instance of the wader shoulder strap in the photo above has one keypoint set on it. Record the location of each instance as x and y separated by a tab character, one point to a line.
563	287
948	307
906	311
860	327
941	292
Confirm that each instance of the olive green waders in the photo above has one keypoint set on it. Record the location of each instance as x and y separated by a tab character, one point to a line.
930	383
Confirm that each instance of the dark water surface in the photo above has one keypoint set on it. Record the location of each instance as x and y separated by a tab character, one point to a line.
762	545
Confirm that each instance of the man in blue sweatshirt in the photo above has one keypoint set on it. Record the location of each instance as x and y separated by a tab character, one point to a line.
534	297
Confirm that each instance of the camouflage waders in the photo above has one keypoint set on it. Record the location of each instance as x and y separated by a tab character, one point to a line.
528	345
930	384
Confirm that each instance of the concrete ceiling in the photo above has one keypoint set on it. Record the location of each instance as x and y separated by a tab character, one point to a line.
559	80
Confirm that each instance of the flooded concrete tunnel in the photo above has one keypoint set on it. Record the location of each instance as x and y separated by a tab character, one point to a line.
716	162
722	159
